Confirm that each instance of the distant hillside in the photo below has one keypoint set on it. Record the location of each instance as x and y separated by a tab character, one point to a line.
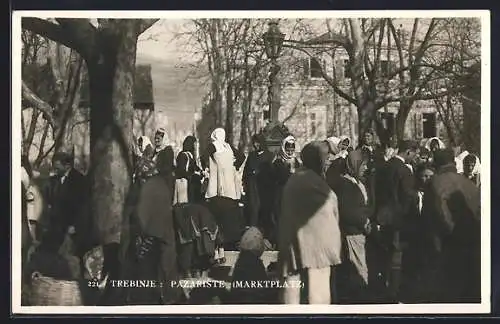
177	89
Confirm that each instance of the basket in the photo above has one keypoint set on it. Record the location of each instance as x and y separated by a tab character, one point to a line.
46	291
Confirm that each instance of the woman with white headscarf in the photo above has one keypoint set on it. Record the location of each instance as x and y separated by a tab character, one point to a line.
285	164
143	149
143	145
470	165
223	192
337	157
433	144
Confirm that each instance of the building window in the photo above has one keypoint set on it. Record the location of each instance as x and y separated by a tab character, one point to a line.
347	68
429	125
384	68
389	122
266	114
312	118
316	68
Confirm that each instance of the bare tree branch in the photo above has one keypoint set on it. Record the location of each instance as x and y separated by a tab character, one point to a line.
145	24
77	34
327	78
328	38
38	103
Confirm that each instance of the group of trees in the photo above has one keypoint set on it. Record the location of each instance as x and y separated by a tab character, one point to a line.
428	60
107	49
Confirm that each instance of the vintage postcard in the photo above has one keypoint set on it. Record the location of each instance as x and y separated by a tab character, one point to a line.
267	162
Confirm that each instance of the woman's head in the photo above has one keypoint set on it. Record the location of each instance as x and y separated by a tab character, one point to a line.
144	144
434	144
288	146
345	142
160	137
470	165
357	164
314	156
425	173
258	142
218	135
189	144
253	241
338	144
369	138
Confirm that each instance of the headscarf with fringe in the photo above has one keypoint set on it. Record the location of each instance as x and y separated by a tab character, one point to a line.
282	153
145	143
164	142
441	144
334	144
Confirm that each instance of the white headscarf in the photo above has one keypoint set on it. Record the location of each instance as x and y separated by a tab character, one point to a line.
282	152
145	142
334	145
440	143
459	162
477	166
218	138
164	141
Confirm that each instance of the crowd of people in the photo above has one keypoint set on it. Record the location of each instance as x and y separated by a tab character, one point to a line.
396	223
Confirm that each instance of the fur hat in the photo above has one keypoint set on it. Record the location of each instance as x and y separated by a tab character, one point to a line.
253	241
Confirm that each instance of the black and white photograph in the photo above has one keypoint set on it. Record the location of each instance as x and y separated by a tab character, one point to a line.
267	162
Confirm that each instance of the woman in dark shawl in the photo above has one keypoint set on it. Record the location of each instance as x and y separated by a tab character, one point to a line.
258	186
188	171
285	164
354	213
155	237
309	237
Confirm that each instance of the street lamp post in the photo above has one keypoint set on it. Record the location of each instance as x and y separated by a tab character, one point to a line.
273	43
274	132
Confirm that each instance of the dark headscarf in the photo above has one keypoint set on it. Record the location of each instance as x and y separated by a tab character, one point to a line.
443	157
315	155
354	161
259	138
189	144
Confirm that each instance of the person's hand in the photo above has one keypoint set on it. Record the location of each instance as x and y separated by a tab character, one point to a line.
143	245
368	227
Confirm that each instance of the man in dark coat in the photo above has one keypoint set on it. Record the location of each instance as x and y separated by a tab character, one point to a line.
66	194
396	211
452	218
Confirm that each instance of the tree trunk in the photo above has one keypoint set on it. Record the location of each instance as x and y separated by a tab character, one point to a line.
366	114
28	141
402	117
229	113
245	118
111	77
68	100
